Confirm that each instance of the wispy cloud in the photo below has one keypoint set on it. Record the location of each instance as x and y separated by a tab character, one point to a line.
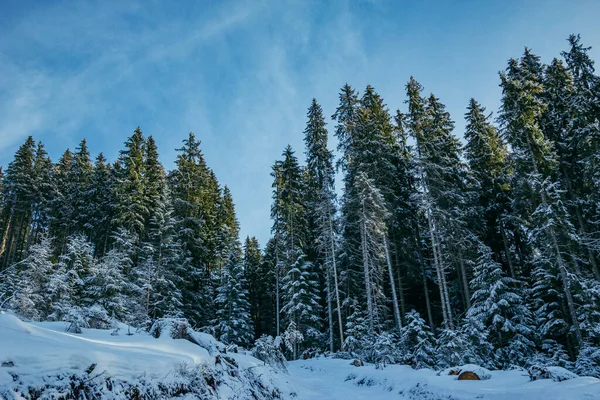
241	74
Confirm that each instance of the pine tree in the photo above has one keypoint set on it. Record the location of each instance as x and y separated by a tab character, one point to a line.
67	284
288	213
321	206
582	143
154	182
165	264
233	322
107	285
29	278
80	188
17	199
543	211
487	156
188	182
419	341
41	196
357	330
131	207
301	298
498	306
61	205
454	348
371	221
258	278
101	205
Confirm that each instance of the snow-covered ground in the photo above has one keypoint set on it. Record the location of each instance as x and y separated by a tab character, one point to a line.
43	355
334	379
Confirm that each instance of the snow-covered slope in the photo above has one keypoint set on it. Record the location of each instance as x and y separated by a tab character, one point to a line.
334	379
41	359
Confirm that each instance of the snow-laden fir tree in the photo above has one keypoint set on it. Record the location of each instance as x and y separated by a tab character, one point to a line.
499	306
301	298
542	211
419	342
25	282
357	330
233	323
322	213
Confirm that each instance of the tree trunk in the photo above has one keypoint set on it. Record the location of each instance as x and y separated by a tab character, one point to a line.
329	312
5	235
507	252
335	280
417	239
366	265
392	284
438	269
463	273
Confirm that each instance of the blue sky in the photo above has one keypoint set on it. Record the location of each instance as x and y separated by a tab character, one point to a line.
241	74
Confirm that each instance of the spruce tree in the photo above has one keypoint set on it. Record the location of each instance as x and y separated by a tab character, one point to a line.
131	208
301	298
101	205
233	324
17	199
499	306
542	210
419	342
321	211
487	156
80	190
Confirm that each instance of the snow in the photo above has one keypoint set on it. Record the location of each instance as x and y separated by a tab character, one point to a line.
43	350
42	353
336	379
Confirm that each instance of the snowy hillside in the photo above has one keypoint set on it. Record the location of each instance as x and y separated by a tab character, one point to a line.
41	359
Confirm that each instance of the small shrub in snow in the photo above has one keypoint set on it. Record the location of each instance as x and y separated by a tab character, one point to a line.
309	353
267	349
97	318
175	328
385	350
557	374
588	361
76	319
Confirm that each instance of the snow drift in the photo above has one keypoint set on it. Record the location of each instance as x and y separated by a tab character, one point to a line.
41	360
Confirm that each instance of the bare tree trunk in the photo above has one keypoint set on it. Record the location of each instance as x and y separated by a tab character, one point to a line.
507	252
444	282
463	273
5	235
438	269
400	286
329	312
335	280
417	239
392	284
366	265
